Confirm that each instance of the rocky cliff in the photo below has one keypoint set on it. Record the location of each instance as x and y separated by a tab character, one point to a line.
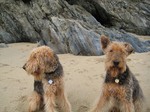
74	26
129	15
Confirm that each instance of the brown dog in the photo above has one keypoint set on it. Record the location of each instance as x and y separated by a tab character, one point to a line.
121	91
47	71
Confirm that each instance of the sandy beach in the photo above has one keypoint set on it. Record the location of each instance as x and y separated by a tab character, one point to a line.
83	77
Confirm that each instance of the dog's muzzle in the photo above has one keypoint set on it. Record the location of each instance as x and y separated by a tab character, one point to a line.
24	66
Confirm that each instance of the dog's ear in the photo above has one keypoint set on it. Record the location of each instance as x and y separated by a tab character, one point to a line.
105	41
129	48
51	62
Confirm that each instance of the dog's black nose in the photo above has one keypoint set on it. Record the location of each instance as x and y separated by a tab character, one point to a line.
116	63
24	67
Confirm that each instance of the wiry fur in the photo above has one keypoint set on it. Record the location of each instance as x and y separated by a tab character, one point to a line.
126	95
44	65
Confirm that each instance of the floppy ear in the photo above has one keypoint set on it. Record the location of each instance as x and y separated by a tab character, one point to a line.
129	48
51	63
105	41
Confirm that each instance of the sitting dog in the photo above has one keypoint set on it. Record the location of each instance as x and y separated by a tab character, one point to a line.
121	91
43	64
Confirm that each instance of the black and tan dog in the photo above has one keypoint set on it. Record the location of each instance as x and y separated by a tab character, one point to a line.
121	91
44	65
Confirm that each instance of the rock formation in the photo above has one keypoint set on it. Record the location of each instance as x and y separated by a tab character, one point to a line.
129	15
74	26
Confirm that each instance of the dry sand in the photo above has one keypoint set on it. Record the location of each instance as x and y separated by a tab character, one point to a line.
83	77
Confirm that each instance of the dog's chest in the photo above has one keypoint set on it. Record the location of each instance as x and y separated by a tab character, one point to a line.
114	90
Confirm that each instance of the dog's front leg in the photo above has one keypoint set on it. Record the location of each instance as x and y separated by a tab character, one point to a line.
49	96
103	105
34	102
62	100
49	100
128	106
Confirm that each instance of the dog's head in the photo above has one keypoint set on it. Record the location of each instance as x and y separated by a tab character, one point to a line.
42	59
116	52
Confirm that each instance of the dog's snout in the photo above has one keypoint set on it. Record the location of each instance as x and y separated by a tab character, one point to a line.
116	62
24	67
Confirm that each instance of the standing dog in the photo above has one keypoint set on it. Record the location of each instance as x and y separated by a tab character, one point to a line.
121	91
47	71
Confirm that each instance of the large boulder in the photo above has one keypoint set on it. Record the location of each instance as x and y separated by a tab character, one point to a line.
65	27
129	15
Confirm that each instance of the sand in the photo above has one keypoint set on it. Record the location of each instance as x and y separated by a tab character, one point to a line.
83	77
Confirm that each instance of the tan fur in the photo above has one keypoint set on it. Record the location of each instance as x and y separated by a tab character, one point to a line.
43	60
35	101
115	51
115	97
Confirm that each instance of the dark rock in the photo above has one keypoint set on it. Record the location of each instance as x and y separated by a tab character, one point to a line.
14	22
74	28
130	15
100	14
26	1
3	45
6	37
